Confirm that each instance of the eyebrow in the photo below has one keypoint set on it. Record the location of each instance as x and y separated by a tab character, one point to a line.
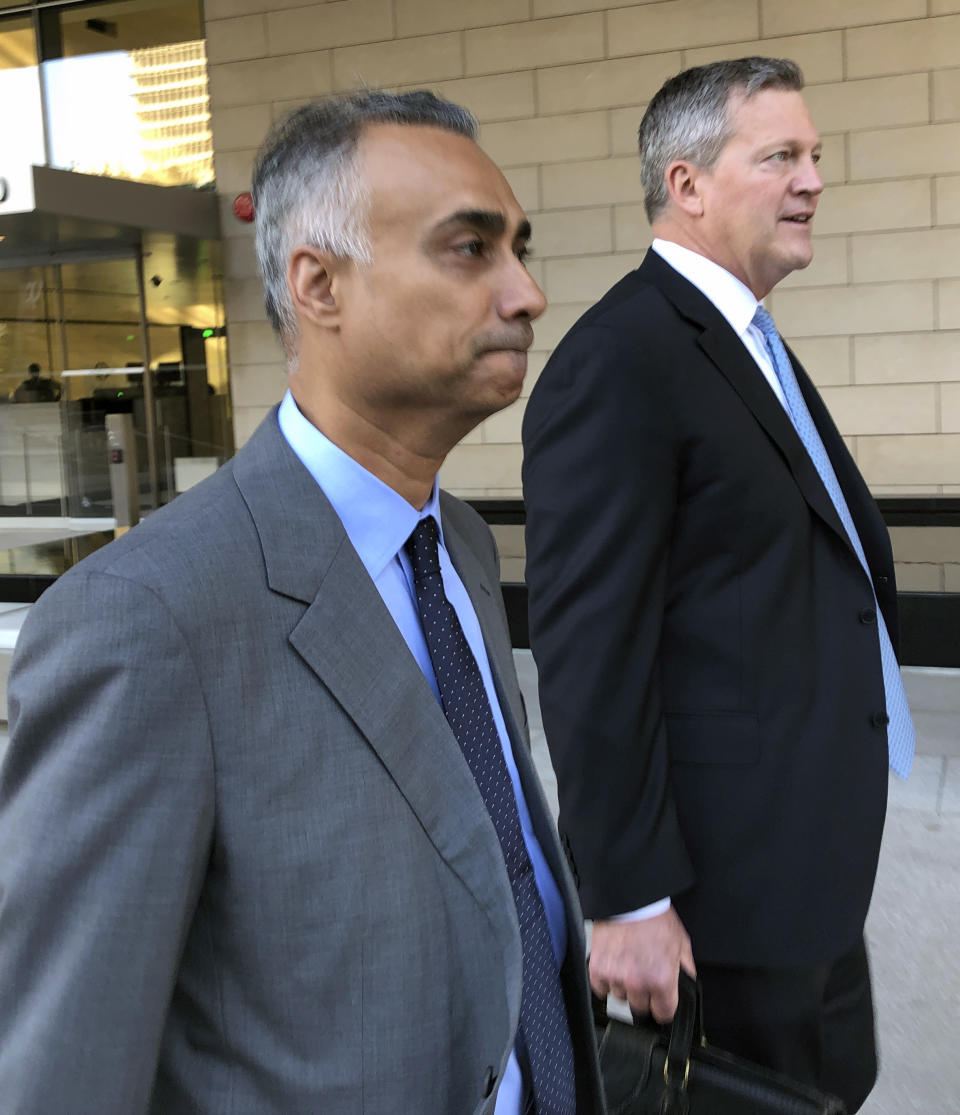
486	220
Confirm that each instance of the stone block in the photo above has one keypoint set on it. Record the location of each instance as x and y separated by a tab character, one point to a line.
826	359
950	408
400	62
947	200
241	128
924	254
907	357
538	43
232	40
910	459
258	385
551	139
878	308
296	77
785	17
883	409
427	17
829	266
680	25
948	303
572	232
820	56
321	27
905	152
631	230
868	207
620	81
587	278
946	95
845	106
901	48
525	183
594	182
501	97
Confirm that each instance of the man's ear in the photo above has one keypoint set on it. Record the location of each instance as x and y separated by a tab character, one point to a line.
312	278
683	185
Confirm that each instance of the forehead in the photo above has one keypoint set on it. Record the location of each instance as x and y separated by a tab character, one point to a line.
772	115
418	176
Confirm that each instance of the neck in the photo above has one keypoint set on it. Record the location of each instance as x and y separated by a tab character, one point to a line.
376	445
687	236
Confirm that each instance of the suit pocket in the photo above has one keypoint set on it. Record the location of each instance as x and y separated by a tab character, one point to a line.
713	737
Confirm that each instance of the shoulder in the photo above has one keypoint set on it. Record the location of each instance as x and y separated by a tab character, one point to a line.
181	560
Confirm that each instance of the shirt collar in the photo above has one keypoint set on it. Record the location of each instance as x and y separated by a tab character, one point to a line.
734	300
378	520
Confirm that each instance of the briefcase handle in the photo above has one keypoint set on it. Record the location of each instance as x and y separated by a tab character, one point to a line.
686	1029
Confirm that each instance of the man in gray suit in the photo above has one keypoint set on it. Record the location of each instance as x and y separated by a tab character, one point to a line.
253	853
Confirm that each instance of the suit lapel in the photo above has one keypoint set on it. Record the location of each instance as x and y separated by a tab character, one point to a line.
731	357
351	642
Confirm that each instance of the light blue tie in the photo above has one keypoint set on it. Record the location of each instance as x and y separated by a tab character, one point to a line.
901	739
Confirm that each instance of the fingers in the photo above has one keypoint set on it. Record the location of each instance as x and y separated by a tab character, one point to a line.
686	959
639	961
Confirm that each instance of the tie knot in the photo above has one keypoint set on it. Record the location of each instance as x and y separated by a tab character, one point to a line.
423	546
764	322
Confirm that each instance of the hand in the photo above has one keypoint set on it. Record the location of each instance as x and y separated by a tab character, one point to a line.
640	961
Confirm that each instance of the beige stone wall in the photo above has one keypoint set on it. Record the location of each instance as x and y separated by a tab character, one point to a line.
559	87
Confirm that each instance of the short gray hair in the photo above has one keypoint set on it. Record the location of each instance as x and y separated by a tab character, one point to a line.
307	188
689	117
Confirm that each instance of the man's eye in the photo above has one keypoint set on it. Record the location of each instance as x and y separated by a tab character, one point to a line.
780	156
524	253
471	248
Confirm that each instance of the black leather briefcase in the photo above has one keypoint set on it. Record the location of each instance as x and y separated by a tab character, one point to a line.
670	1070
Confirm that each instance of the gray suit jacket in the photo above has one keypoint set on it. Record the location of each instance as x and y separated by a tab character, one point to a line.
244	865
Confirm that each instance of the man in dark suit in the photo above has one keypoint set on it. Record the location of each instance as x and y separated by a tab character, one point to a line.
712	605
271	839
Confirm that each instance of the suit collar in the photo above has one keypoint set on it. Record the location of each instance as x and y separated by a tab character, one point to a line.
299	531
728	353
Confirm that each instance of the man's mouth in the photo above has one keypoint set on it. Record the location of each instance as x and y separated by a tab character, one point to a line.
519	341
799	218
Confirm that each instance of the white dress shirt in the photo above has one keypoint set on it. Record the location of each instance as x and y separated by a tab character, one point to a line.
378	521
730	296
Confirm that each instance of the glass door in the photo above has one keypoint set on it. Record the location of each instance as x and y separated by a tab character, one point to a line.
81	340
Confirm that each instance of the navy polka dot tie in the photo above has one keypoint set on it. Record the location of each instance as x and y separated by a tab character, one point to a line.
544	1049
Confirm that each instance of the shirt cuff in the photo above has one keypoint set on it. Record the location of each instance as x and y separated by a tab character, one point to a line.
651	911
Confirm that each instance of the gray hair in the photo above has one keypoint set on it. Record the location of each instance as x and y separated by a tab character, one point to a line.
307	188
689	117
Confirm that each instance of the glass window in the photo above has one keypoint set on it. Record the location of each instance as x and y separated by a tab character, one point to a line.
21	132
126	87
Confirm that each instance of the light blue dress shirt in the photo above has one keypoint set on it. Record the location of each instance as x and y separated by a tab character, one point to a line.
378	521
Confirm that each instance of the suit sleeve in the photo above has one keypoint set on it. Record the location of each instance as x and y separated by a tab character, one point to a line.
600	484
106	814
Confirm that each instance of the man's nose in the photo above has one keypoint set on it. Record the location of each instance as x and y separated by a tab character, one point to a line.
809	180
520	295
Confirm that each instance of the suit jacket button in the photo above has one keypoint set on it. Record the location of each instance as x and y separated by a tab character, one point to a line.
879	720
490	1082
868	616
883	579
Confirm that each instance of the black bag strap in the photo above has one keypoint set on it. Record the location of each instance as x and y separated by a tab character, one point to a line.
685	1031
